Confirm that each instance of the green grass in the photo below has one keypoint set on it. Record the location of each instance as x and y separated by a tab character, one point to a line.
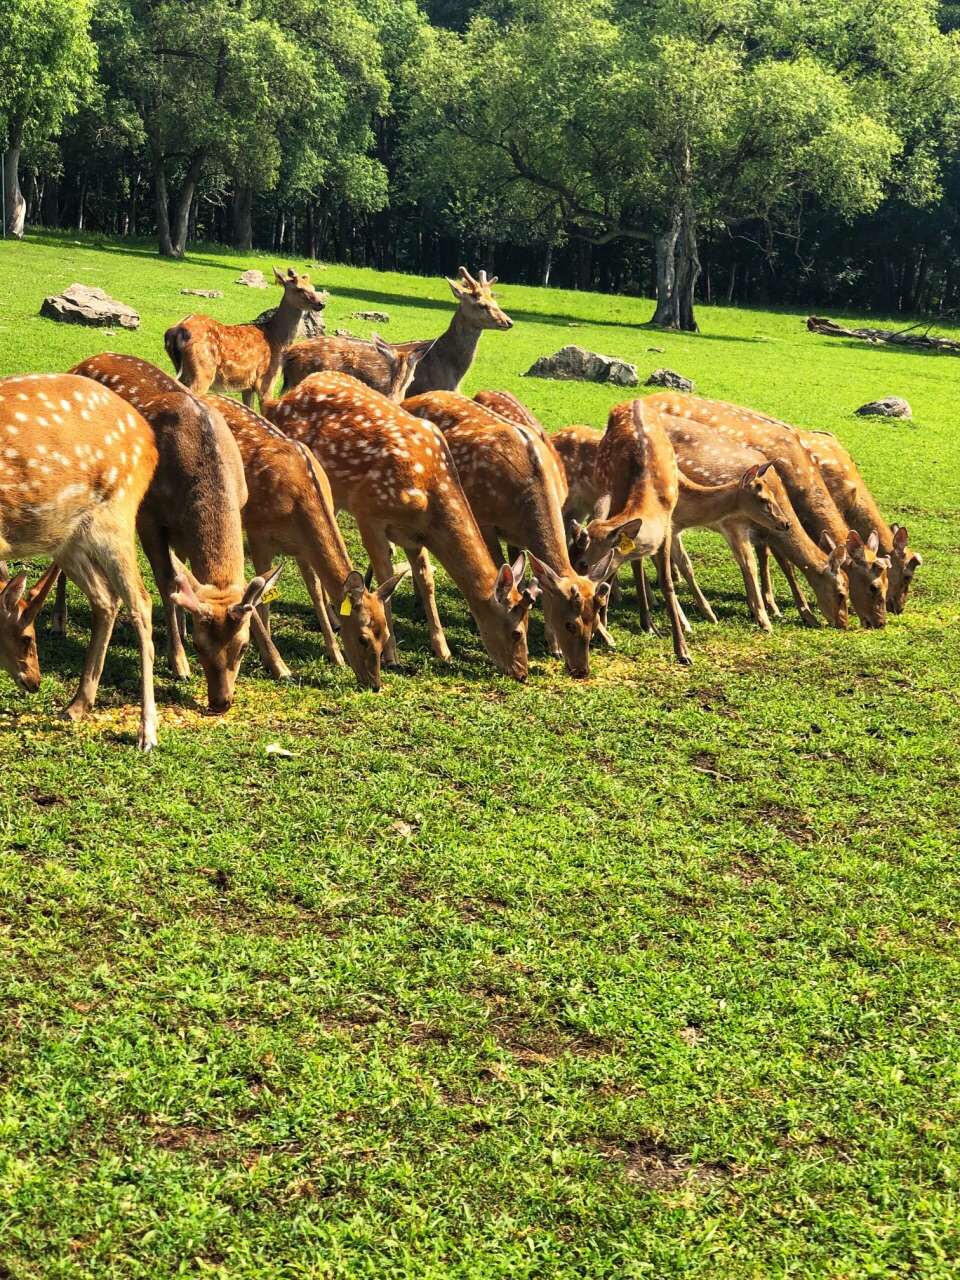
651	975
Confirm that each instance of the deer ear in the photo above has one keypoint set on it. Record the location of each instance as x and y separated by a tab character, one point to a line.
39	594
386	589
545	574
899	536
854	542
504	584
281	279
748	476
368	577
13	591
838	558
826	542
256	589
764	467
456	289
383	347
601	568
601	508
353	586
873	542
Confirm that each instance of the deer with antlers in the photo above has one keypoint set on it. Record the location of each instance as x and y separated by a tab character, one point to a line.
859	508
809	495
447	362
191	512
515	488
290	510
75	464
388	368
241	357
395	474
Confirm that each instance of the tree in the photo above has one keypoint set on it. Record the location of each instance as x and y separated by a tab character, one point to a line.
47	61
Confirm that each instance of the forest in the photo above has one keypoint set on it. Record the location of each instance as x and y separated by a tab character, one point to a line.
774	152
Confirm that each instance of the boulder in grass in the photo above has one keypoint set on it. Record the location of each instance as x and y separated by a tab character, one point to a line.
253	279
378	317
671	380
204	293
83	304
888	407
576	364
311	322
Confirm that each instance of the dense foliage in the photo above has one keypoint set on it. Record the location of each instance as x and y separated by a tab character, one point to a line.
770	150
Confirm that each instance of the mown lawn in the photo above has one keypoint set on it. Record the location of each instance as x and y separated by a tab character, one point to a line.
650	975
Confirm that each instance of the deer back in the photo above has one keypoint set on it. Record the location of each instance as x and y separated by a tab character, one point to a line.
506	404
577	447
386	367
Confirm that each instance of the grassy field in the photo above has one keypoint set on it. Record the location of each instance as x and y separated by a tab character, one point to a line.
650	975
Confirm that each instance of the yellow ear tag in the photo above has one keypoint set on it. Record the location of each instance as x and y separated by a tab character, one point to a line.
268	597
626	544
346	608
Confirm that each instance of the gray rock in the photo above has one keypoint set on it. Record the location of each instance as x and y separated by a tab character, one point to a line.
575	364
253	279
82	304
380	317
311	323
204	293
673	381
344	333
888	407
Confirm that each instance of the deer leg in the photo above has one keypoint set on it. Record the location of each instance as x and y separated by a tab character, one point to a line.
739	544
319	598
269	654
104	604
762	548
684	620
643	601
249	397
158	553
58	619
662	560
378	549
126	582
807	615
422	571
681	560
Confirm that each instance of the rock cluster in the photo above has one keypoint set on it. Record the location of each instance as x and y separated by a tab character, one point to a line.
888	407
574	363
83	304
673	381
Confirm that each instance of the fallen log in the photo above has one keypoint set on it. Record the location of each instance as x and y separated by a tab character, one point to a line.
903	337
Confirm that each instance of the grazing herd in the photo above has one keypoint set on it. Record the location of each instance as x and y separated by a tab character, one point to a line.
117	449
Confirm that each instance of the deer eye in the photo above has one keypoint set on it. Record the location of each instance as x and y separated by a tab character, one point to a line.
571	627
363	642
518	633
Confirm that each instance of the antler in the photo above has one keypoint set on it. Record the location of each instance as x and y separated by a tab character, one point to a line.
485	283
469	281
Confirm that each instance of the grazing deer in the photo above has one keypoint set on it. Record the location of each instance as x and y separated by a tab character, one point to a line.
809	495
387	368
290	510
514	486
858	507
75	464
18	636
716	461
192	511
240	357
506	405
445	365
395	475
636	473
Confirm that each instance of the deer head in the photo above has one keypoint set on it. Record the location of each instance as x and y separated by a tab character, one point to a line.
831	585
758	499
503	625
477	305
298	292
590	543
572	608
903	565
221	628
18	636
403	363
363	624
867	573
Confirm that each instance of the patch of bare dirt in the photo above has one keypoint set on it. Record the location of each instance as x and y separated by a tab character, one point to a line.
656	1168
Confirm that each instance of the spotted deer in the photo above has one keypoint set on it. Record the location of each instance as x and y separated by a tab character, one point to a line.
636	474
240	357
447	362
290	510
858	507
721	463
809	495
191	512
75	464
506	405
18	615
395	475
388	368
515	487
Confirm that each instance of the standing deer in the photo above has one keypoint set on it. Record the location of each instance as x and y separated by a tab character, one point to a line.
75	464
240	357
395	475
515	487
192	508
387	368
858	507
811	500
290	509
636	473
445	365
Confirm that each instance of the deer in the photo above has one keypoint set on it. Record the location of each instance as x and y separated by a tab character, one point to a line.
809	496
75	465
396	476
447	362
18	615
636	474
718	463
290	510
515	486
506	405
388	368
191	512
858	507
241	357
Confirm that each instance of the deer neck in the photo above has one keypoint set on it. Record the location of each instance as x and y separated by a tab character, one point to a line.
281	329
795	545
445	365
704	504
863	514
455	539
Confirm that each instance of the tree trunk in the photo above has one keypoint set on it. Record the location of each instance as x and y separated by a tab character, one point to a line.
584	265
163	203
343	231
241	232
182	211
547	264
667	314
733	281
132	203
688	271
15	204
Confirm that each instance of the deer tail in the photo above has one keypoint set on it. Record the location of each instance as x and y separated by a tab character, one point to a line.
174	340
